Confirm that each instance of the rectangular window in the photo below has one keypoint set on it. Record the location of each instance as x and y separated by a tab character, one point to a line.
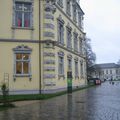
23	13
69	39
74	13
80	20
81	69
61	65
80	46
76	69
117	72
75	42
69	65
22	61
110	71
60	33
106	71
68	7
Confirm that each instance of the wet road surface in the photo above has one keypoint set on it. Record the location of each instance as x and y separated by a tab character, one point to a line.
96	103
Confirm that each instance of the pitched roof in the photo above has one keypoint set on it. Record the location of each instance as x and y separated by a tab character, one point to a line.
107	65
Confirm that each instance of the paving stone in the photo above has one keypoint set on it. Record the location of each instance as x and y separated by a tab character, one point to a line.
96	103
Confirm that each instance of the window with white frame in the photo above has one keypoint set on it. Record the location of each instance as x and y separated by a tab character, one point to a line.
23	14
76	42
69	64
81	68
79	19
80	45
74	12
60	65
106	71
60	30
76	68
22	61
69	38
110	71
68	7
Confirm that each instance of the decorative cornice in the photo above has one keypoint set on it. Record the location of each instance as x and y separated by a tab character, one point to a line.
22	48
55	43
19	40
50	6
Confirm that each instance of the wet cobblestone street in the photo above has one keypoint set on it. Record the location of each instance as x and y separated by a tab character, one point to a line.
96	103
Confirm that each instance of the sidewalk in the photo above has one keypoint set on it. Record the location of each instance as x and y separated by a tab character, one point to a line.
23	103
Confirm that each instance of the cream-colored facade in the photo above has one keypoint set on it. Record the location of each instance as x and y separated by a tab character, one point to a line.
34	45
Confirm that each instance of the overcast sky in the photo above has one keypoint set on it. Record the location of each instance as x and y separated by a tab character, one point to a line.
102	25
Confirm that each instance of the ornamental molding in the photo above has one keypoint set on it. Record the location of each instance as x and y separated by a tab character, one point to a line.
49	54
76	58
23	0
22	48
49	16
81	61
69	27
61	53
69	56
49	61
48	76
50	6
49	34
60	19
49	25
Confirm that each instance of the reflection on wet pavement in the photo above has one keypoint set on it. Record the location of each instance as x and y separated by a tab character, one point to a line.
96	103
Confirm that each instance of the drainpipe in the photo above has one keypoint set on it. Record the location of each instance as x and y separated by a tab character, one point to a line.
39	47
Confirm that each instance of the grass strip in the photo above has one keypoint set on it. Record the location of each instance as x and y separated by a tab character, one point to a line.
13	98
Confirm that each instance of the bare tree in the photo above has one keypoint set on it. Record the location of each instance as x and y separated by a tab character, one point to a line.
90	57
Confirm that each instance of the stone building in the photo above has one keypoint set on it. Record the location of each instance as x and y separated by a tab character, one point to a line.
40	41
106	71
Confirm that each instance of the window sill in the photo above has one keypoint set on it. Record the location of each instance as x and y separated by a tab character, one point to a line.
76	77
24	28
62	44
22	75
61	76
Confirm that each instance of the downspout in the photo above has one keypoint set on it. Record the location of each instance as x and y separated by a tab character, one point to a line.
39	47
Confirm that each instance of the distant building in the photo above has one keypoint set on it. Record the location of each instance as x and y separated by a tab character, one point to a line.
40	41
108	71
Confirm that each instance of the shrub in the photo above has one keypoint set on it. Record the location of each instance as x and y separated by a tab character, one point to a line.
5	93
